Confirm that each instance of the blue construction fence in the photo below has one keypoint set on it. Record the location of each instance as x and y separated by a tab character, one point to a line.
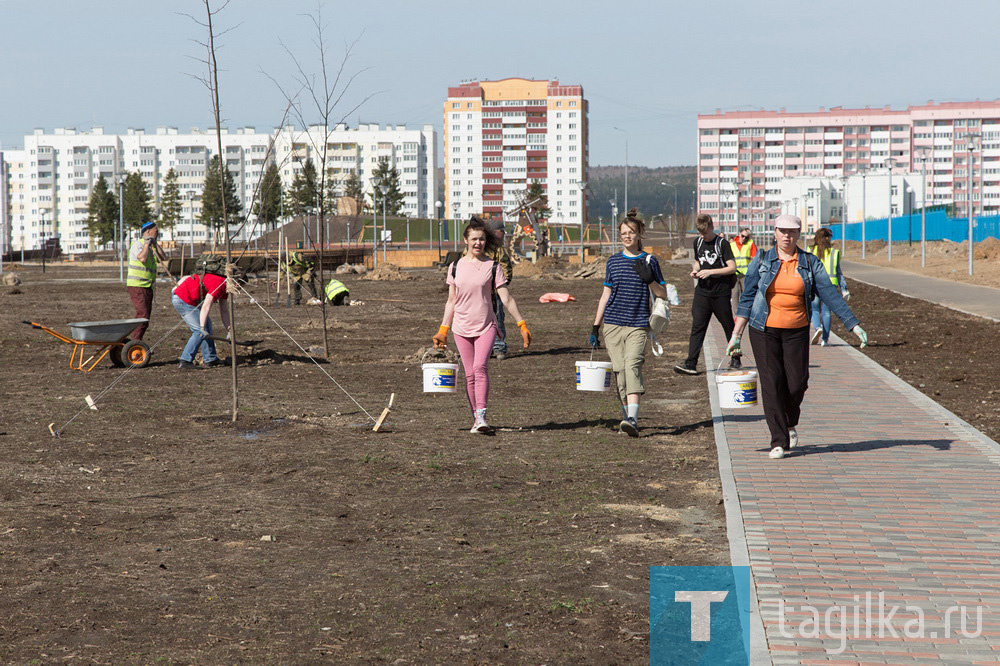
907	228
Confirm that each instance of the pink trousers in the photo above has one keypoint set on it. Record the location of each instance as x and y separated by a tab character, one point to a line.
475	353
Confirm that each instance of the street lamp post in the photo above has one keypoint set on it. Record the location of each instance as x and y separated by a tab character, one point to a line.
454	210
383	190
614	221
190	198
43	212
909	218
438	205
739	185
922	154
582	184
407	232
864	211
673	211
375	181
843	214
121	228
890	163
972	141
626	165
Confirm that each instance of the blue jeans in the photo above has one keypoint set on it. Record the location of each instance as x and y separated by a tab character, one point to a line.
821	314
192	317
500	344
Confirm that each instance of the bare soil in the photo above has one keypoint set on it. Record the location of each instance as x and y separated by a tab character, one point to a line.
156	530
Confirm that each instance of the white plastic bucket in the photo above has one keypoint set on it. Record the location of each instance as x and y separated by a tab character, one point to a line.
593	375
439	377
737	388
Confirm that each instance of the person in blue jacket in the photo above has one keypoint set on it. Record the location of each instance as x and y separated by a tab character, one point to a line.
777	300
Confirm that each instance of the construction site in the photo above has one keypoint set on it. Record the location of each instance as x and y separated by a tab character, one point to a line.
143	523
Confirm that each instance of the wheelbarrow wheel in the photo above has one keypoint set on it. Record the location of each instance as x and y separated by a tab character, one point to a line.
135	353
116	357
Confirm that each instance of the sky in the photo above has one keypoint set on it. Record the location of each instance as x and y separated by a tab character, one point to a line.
648	68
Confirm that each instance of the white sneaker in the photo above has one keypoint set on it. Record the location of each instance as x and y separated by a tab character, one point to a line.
823	343
815	336
793	438
777	453
481	426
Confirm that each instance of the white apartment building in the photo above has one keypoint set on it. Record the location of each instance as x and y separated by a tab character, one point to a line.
46	185
818	199
500	136
751	152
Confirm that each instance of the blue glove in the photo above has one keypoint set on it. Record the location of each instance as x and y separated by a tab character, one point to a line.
595	341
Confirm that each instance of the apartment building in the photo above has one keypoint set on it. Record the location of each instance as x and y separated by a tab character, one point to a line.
47	184
744	156
500	136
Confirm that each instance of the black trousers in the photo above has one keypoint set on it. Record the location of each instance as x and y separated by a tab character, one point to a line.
702	308
782	356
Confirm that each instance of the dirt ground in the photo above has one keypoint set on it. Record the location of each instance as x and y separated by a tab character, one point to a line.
157	531
944	259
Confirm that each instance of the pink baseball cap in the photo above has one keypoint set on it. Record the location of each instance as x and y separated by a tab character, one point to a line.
787	221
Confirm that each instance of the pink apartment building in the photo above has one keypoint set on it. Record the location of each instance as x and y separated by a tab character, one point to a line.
744	155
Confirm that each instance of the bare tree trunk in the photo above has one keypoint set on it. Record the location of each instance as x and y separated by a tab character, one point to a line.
214	87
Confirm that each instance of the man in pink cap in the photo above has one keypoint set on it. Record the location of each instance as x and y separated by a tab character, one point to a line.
777	296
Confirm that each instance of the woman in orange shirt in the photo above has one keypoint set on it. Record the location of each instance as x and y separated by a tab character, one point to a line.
777	296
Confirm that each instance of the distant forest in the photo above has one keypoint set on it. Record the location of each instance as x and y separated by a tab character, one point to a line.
644	189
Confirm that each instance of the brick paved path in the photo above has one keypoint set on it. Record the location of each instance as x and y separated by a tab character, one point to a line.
889	493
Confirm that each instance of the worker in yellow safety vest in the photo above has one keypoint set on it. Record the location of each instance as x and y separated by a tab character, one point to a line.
302	271
337	293
142	258
830	256
744	250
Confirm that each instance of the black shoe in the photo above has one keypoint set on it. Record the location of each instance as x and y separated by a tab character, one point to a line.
735	363
216	363
630	427
685	369
187	365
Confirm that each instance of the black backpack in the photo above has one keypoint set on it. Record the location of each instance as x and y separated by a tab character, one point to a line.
719	240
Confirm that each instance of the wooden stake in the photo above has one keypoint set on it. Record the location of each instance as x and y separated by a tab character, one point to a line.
385	413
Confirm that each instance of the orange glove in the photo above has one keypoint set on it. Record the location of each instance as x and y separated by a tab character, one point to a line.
441	339
525	333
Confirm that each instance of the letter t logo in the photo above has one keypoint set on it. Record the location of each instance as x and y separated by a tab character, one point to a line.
701	610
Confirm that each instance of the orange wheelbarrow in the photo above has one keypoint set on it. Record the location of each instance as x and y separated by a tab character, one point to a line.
110	339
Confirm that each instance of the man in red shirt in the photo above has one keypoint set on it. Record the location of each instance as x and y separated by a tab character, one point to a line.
192	298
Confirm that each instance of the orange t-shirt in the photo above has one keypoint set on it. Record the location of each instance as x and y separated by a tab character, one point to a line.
786	298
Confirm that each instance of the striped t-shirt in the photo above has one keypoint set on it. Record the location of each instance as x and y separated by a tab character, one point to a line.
629	302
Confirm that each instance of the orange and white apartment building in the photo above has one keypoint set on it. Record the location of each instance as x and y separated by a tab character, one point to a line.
745	156
500	136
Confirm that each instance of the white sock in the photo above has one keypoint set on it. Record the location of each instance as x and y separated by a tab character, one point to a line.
633	411
481	414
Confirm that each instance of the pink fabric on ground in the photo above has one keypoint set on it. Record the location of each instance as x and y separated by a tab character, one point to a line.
475	353
555	297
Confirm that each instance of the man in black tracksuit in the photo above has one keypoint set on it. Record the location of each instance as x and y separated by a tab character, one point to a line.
714	269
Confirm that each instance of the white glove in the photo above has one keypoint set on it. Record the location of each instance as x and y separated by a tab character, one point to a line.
846	294
860	332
